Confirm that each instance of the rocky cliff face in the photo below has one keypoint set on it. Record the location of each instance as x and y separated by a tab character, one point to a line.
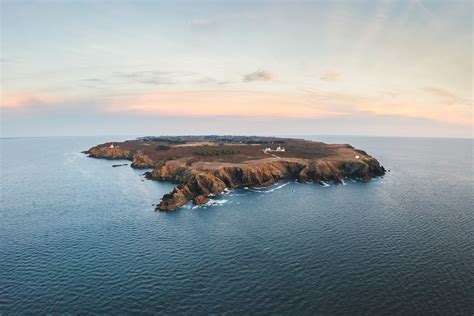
198	184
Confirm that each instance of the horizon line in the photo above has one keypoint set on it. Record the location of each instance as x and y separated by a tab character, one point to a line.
250	135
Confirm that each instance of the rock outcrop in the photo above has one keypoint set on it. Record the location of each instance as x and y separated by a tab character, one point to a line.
200	199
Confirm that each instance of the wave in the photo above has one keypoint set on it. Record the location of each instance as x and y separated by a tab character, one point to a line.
209	203
216	202
269	190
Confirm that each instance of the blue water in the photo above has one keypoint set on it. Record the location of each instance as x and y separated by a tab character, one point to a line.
77	235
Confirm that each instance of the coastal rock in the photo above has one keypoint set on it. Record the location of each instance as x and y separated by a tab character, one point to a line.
109	153
175	199
141	160
200	199
120	165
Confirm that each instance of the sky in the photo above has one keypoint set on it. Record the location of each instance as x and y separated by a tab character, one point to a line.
379	68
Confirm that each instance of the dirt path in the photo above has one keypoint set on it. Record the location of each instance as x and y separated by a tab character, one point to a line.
272	155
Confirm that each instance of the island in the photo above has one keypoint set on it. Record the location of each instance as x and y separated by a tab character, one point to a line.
204	166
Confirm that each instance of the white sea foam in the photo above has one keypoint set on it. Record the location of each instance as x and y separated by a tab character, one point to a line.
268	189
209	203
237	194
324	184
278	187
216	202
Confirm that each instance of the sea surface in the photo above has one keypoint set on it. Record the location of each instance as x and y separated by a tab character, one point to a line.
78	236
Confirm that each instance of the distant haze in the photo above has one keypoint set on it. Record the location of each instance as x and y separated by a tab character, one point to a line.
382	68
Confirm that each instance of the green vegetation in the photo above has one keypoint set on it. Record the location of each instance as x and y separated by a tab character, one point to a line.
209	151
227	139
162	147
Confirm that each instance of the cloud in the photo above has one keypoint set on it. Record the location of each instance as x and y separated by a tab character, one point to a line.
308	104
445	96
98	80
213	20
168	78
147	77
261	75
203	22
219	103
212	81
332	75
24	100
154	77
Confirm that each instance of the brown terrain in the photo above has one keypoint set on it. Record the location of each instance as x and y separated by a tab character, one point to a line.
204	166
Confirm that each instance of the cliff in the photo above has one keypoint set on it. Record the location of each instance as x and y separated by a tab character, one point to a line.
199	175
198	184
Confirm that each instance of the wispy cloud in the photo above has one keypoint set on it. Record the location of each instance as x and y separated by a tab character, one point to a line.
210	80
261	75
154	77
220	19
146	77
332	75
5	60
204	22
218	103
446	96
23	100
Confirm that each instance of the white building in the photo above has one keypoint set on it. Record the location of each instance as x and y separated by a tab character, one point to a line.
112	146
269	150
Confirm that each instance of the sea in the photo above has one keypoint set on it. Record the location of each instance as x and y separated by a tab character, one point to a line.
80	237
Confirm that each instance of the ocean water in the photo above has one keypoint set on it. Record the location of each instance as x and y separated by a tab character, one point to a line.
78	236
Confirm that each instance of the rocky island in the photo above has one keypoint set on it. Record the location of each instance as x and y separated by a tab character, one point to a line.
204	166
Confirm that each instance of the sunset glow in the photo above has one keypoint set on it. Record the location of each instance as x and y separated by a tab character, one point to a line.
408	61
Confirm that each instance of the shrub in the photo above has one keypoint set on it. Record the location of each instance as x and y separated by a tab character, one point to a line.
216	152
162	147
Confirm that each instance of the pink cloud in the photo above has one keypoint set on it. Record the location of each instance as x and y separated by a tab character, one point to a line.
263	105
446	96
332	75
218	103
20	100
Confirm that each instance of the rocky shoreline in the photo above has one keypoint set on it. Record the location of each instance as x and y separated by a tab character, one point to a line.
197	179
